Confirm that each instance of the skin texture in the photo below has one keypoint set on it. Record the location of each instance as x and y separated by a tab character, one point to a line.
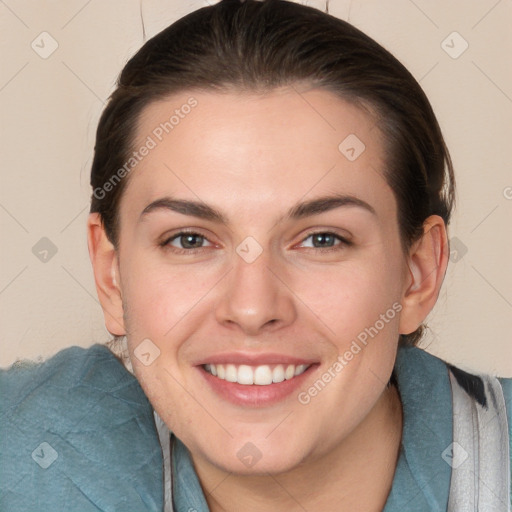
253	158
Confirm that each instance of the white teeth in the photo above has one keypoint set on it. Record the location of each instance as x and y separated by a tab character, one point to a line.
261	375
278	373
245	374
290	372
300	369
231	373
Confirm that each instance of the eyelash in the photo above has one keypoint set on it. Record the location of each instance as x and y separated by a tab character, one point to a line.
344	243
166	243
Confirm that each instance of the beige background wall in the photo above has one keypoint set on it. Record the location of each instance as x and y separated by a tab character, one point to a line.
50	105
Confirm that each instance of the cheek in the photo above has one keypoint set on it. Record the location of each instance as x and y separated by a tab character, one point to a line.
351	296
359	306
162	384
159	296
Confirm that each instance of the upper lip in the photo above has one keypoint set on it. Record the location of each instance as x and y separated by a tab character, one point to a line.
239	358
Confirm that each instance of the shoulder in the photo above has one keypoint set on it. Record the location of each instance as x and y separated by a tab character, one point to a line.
417	362
55	392
475	407
77	432
69	366
460	406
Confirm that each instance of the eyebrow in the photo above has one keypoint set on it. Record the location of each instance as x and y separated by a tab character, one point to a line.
299	211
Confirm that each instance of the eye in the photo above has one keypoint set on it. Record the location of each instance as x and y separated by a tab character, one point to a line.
325	240
185	241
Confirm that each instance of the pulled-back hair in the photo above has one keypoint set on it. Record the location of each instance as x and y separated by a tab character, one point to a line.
257	46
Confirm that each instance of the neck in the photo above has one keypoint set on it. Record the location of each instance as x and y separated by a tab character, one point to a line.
356	475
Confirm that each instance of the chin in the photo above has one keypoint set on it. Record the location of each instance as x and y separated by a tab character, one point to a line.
254	457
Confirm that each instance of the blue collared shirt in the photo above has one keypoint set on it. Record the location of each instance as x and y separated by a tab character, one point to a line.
77	433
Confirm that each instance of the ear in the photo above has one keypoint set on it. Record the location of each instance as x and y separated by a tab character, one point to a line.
427	262
106	274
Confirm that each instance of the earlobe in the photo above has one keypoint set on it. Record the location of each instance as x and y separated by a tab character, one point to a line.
104	261
427	262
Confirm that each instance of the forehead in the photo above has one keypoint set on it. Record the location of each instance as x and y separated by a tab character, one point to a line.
268	148
220	123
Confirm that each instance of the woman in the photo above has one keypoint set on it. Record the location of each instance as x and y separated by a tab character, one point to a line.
271	194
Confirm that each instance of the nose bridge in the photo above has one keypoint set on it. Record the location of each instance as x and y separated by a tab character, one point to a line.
253	297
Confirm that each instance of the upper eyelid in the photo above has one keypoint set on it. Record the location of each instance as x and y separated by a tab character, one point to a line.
170	238
324	231
183	231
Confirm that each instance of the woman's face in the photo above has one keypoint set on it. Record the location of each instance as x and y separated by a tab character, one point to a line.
291	273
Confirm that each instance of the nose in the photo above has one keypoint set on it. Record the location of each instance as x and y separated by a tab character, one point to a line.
255	298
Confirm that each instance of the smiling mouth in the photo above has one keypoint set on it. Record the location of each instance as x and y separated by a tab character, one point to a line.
262	375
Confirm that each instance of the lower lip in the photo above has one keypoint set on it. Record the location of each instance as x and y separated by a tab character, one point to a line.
255	395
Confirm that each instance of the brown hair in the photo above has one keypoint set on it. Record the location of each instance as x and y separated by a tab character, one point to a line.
257	46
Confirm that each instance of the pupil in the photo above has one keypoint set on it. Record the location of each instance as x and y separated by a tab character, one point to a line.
189	241
324	239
